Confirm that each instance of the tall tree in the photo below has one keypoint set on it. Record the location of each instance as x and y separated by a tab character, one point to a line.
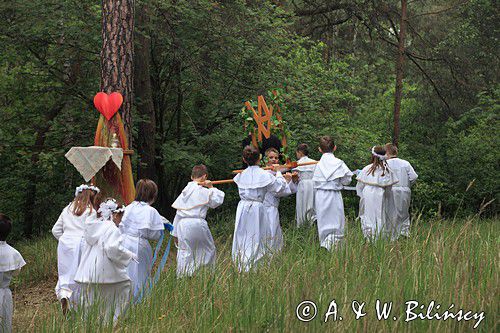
144	97
117	51
117	67
399	72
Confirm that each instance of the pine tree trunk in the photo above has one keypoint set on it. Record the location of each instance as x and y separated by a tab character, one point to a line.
117	55
399	72
144	99
117	76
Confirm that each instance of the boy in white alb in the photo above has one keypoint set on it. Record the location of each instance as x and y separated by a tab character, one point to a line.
329	177
11	262
196	247
102	273
376	203
305	192
401	191
68	230
274	235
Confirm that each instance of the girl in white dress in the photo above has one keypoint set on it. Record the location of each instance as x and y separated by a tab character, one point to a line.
102	273
196	247
330	176
305	212
11	262
250	227
68	230
402	190
274	235
141	223
376	203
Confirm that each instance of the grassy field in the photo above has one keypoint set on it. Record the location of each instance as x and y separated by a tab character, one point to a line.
445	261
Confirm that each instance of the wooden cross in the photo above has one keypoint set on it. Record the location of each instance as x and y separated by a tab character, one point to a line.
263	121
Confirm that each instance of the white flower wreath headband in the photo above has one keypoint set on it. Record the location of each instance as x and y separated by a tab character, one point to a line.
381	157
83	187
120	209
107	208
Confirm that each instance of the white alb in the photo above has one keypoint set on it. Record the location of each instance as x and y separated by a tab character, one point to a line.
402	193
140	223
102	273
196	247
250	229
305	212
330	175
68	230
274	235
11	262
376	204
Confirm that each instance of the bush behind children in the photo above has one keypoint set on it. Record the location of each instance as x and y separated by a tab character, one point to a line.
104	254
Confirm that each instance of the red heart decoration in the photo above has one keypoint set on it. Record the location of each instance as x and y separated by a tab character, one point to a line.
108	105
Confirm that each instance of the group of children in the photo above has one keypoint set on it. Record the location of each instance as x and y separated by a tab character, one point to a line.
104	254
383	187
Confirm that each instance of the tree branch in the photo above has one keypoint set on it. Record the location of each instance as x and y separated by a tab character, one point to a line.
430	80
441	11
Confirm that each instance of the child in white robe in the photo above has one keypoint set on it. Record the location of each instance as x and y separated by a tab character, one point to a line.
305	192
401	191
141	223
196	247
274	235
68	230
11	262
250	229
102	273
376	200
330	175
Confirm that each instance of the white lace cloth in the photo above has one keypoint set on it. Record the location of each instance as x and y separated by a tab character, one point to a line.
89	160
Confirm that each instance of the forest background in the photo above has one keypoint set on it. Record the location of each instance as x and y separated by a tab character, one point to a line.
196	62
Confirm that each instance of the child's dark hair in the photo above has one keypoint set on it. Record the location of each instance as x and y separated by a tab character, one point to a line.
146	191
303	148
199	171
5	226
377	162
326	144
391	149
272	150
251	155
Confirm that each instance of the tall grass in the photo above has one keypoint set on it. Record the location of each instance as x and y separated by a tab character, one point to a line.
448	262
41	261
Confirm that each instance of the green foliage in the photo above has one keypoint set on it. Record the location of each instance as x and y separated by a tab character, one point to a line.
49	67
208	57
456	160
320	99
472	143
